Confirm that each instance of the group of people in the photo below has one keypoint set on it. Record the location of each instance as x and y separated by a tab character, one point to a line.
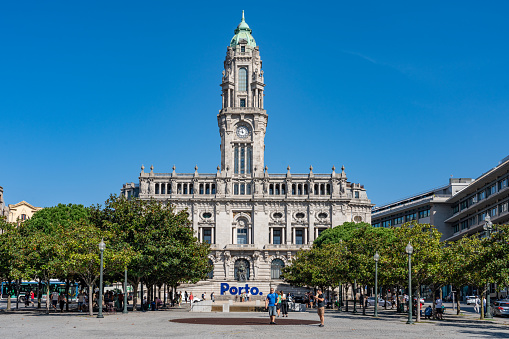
477	304
276	303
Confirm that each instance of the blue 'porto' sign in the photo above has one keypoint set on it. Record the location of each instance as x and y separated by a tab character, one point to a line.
238	290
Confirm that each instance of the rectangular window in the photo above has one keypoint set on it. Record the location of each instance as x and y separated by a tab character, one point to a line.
248	189
481	217
248	159
463	204
423	214
464	224
502	184
456	228
481	195
455	209
242	189
242	102
493	211
242	49
207	235
191	190
411	217
356	195
320	230
493	189
502	208
236	189
242	236
276	236
299	237
386	223
398	220
242	160
236	159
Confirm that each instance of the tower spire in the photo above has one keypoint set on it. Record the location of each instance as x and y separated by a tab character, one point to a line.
243	15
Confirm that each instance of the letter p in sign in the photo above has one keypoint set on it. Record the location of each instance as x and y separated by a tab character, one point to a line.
224	287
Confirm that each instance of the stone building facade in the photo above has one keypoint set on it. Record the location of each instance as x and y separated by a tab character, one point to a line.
254	220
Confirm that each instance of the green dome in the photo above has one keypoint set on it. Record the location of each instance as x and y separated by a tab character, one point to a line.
243	32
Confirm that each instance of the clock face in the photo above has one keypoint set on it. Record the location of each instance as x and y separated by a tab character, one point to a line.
242	132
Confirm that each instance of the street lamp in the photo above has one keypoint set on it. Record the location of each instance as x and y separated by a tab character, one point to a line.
354	290
125	291
409	250
376	257
488	227
102	247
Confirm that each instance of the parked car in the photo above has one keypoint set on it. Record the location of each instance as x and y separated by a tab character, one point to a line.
381	302
500	308
300	299
471	300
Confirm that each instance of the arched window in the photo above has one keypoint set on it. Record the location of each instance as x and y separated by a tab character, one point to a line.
213	188
179	188
283	189
316	189
322	189
243	79
271	189
201	188
293	189
163	188
305	189
157	188
241	270
275	268
277	189
299	189
210	275
328	188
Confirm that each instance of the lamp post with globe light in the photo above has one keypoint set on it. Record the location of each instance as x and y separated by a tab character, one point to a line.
409	250
488	228
376	257
102	247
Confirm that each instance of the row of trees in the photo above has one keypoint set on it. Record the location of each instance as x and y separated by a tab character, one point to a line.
344	254
154	243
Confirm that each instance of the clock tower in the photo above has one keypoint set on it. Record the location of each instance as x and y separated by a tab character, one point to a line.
242	120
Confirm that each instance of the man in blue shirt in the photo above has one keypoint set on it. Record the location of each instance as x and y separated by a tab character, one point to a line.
270	303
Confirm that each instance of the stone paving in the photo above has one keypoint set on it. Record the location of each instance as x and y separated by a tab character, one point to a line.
24	324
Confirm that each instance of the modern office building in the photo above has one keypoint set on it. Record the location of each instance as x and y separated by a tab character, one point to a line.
254	220
430	207
486	195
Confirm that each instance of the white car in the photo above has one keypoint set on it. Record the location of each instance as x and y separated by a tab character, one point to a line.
471	300
381	302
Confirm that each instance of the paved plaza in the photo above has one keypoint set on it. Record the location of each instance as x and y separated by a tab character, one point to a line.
159	324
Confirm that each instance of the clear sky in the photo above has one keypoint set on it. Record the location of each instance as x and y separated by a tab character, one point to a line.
404	94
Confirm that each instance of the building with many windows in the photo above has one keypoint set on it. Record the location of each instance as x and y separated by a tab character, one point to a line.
430	207
254	220
486	195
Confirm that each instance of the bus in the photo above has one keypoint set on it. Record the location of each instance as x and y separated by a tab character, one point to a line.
27	286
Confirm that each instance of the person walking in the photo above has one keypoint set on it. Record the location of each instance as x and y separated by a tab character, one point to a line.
185	296
32	297
81	299
270	305
212	297
284	305
54	299
320	306
61	300
278	305
438	308
477	303
191	297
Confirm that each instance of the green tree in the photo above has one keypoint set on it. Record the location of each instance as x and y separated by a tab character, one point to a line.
164	246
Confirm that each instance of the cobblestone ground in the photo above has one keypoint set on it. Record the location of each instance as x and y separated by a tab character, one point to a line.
158	325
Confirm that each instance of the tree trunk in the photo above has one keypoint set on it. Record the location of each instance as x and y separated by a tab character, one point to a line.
482	302
135	296
47	296
458	307
346	298
90	299
418	310
39	294
67	295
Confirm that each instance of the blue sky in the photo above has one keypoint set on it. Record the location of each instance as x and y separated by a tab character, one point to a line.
403	94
